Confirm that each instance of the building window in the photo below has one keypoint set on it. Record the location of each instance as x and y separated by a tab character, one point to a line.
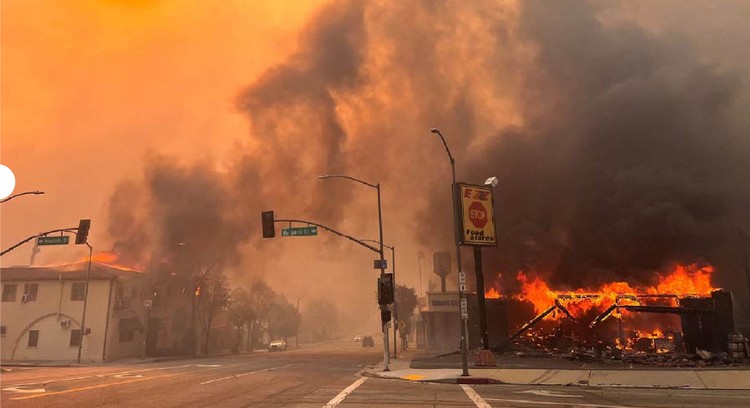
30	290
3	329
77	291
9	293
33	338
75	337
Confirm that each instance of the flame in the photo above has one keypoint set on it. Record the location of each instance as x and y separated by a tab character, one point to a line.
492	293
535	291
686	280
680	281
110	259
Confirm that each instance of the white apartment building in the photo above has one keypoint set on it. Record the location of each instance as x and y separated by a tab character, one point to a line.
42	307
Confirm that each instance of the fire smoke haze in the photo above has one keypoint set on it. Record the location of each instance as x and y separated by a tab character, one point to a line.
618	132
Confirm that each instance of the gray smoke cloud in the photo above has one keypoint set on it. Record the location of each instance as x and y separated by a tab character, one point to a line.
618	150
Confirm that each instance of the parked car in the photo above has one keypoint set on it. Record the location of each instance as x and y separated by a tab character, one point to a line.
277	345
358	338
367	341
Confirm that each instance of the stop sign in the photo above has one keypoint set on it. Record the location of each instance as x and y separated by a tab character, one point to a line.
477	214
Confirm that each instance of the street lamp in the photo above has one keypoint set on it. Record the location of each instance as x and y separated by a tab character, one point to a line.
20	194
395	304
461	294
380	250
491	182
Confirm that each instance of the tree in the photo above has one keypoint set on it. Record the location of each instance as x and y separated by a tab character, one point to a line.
212	297
321	319
239	314
406	302
284	320
261	298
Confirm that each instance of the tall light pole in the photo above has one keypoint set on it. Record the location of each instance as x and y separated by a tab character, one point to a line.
20	194
395	301
380	251
461	294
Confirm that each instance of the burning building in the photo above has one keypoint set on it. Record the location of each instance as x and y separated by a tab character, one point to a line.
682	312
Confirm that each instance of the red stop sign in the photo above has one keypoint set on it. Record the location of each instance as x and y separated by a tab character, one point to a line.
477	214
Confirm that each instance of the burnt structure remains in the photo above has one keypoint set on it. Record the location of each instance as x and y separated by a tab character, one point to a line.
707	329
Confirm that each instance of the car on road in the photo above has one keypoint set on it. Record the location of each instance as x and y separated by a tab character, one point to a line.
358	338
277	345
367	341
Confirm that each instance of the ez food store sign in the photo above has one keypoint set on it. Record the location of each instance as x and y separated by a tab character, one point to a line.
477	215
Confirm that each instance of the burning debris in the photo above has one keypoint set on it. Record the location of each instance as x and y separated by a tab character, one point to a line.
682	320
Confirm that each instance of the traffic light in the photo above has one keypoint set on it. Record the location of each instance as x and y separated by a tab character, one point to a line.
385	290
269	230
83	231
385	316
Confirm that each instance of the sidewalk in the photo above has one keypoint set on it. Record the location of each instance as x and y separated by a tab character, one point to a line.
684	378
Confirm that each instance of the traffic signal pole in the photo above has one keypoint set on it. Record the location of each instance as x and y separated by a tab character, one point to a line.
270	218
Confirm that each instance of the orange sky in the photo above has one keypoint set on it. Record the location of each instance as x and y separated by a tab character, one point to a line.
90	87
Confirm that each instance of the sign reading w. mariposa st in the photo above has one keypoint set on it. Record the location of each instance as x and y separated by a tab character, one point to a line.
477	215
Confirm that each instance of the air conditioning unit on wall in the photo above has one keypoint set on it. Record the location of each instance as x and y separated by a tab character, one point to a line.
65	323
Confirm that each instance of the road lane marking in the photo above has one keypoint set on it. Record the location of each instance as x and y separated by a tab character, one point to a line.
93	387
110	374
478	400
545	393
45	382
244	374
567	403
22	390
343	394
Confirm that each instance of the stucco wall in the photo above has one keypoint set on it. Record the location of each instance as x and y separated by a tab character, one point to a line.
53	304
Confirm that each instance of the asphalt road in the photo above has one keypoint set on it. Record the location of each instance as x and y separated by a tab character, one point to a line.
310	377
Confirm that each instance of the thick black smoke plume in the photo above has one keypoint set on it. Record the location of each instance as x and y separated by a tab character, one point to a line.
617	149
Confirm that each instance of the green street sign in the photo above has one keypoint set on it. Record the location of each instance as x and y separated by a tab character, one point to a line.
299	232
59	240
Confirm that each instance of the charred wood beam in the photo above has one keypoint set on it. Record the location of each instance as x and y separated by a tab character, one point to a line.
501	347
564	310
666	309
572	296
603	316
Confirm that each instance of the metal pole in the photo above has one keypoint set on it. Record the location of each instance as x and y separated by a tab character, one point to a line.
461	294
419	261
480	297
147	317
395	301
85	303
20	194
382	273
297	336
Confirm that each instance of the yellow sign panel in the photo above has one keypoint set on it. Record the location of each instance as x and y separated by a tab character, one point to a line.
477	215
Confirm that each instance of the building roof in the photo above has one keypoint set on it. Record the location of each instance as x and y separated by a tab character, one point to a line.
73	271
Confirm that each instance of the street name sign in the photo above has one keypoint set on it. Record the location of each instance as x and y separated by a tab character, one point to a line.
57	240
299	232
